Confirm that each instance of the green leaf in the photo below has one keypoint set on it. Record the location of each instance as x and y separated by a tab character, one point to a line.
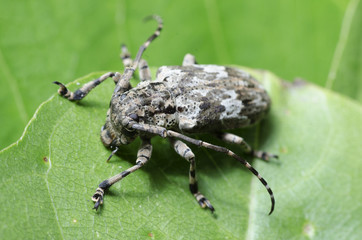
61	40
50	174
346	72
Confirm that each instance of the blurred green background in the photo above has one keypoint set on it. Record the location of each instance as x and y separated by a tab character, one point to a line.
45	41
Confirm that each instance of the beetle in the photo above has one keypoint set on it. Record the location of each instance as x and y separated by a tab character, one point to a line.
183	100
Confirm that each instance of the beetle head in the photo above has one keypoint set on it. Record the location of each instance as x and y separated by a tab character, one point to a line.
117	130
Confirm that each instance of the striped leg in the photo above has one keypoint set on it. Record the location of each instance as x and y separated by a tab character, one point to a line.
122	81
144	71
184	151
232	138
200	143
126	56
189	60
143	155
86	88
163	132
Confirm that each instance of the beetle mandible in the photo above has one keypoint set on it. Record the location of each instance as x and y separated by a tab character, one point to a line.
191	98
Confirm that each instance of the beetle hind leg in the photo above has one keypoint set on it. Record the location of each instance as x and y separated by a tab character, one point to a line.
189	60
144	71
234	139
163	132
184	151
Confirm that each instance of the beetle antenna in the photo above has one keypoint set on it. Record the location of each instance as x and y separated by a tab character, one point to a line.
149	40
123	83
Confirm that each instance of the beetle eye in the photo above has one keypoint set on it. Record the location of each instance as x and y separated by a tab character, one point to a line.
134	116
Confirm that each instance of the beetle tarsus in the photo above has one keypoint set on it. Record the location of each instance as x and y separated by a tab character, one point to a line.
203	201
63	90
264	155
98	198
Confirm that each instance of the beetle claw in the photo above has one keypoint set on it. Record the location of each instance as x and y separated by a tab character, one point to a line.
63	90
98	198
204	202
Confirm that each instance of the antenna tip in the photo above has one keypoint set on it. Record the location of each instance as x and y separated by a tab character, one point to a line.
272	205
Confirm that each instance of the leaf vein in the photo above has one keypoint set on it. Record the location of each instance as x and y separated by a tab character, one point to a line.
342	42
47	174
216	30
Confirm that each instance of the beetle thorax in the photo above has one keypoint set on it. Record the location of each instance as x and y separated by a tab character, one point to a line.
148	103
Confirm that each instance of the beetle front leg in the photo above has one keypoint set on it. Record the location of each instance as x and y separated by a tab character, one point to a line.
144	71
184	151
232	138
126	56
86	88
143	155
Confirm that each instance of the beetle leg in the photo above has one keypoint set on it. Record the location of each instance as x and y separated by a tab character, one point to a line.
184	151
232	138
86	88
163	132
126	56
143	155
144	71
189	60
228	152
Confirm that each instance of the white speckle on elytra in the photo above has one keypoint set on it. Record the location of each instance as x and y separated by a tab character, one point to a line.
232	105
219	70
166	72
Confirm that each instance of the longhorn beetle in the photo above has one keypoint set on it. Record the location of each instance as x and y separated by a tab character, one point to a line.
191	98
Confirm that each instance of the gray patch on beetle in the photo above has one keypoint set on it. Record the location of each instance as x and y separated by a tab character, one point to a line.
213	97
190	98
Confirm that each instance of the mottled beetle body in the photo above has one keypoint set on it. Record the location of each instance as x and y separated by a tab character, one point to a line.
190	98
